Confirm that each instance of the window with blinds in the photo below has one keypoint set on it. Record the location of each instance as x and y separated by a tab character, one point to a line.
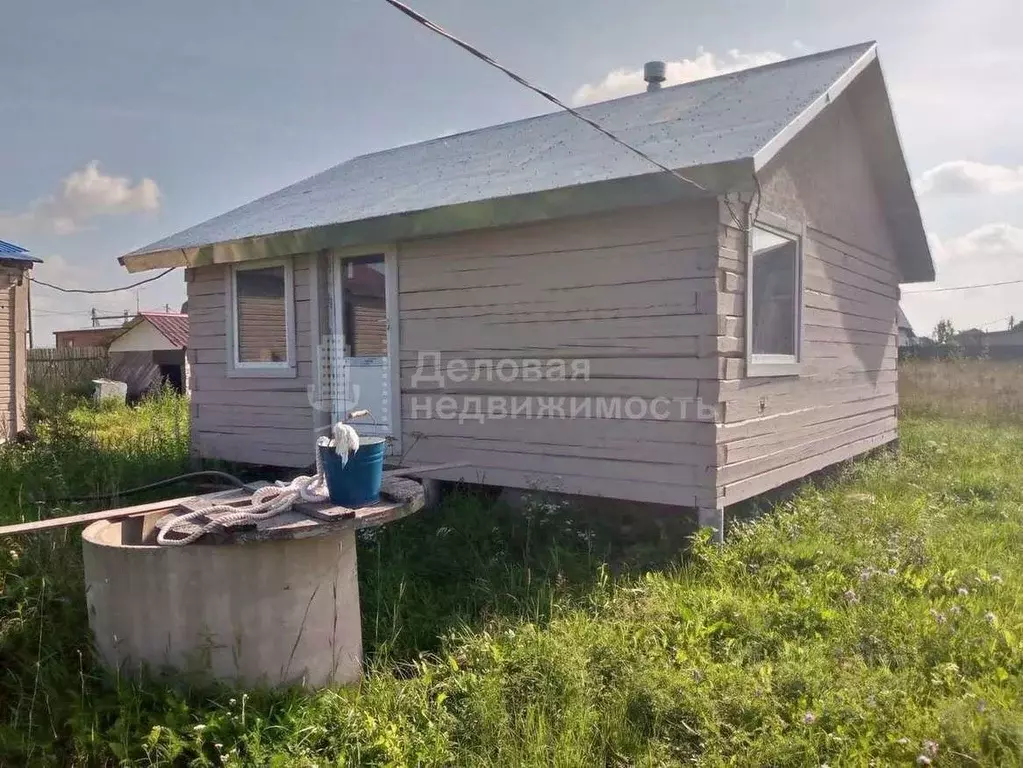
261	316
365	307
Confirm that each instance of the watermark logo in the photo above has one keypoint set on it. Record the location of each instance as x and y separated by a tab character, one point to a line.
443	376
444	389
342	383
431	369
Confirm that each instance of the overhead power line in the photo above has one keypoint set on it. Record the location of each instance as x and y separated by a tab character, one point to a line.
962	287
995	322
418	17
104	290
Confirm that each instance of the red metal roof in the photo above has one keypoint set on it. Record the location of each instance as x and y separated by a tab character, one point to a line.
173	325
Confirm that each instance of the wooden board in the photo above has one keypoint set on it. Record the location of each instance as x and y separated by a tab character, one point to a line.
233	496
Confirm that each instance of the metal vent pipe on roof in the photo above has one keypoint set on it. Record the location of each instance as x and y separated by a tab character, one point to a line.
653	73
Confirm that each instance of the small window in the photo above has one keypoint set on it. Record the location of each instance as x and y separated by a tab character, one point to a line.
365	307
774	301
262	306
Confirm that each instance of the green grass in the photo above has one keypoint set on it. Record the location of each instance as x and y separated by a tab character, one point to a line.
869	621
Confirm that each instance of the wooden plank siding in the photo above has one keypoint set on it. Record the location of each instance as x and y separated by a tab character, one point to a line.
252	419
8	407
632	293
13	350
774	430
651	300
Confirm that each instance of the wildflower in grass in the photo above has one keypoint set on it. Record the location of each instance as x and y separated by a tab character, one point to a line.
955	610
893	572
996	579
990	618
851	597
963	591
923	760
938	617
809	718
929	748
199	728
867	573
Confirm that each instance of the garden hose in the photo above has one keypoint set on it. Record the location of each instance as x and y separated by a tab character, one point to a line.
224	476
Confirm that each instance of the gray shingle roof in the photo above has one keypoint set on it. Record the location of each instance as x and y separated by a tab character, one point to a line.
708	121
724	127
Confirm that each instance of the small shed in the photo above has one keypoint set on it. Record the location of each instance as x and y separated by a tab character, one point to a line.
94	337
560	313
157	338
15	268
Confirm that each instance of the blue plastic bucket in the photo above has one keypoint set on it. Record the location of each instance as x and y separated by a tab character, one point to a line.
357	483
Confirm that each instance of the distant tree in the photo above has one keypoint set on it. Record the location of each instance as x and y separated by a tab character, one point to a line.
944	332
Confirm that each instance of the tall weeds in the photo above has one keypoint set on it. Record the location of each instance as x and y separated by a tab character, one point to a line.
987	389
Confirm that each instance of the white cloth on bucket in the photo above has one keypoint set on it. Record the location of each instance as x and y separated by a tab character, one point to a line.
346	441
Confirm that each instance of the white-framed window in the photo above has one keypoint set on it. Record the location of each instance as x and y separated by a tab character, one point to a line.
261	319
774	301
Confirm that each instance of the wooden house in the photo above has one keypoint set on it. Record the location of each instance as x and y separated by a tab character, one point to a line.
15	268
561	313
155	344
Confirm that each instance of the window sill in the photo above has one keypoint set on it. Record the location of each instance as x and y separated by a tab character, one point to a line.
763	368
290	372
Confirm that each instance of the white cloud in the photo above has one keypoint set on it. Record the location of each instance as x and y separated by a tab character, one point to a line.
991	244
991	253
83	195
622	82
963	177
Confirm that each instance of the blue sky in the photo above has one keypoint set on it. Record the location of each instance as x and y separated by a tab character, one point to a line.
127	121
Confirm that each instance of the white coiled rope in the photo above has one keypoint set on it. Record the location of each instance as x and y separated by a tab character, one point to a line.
267	502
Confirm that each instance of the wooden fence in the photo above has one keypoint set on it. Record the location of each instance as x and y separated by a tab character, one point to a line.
961	351
66	369
72	369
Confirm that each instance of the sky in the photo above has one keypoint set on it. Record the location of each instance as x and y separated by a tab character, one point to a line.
128	120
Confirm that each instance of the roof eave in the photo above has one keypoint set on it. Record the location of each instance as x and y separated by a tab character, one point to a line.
767	153
599	197
22	261
915	259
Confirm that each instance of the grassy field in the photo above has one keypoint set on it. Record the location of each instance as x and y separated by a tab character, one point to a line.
987	389
874	620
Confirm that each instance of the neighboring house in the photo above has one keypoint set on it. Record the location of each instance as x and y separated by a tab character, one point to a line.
15	266
161	338
86	337
998	345
906	336
971	337
561	314
1011	339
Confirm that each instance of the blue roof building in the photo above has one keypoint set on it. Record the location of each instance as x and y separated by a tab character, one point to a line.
12	252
